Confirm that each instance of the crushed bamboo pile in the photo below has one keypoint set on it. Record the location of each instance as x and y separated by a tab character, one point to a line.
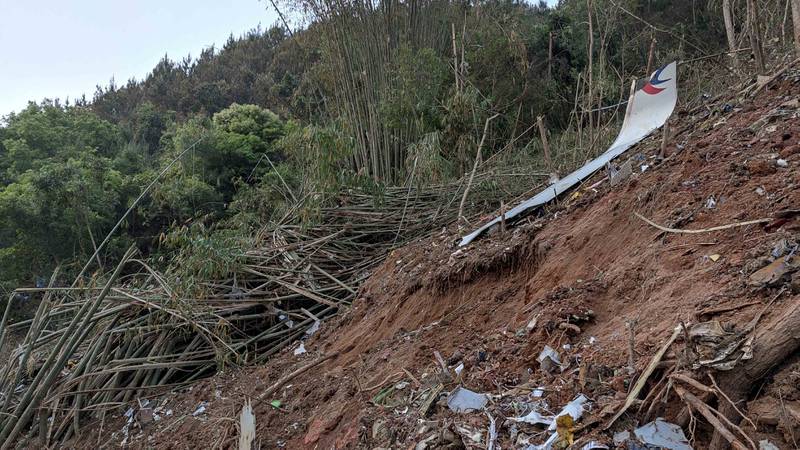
101	344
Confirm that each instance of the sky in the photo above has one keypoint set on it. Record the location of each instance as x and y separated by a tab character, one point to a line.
65	48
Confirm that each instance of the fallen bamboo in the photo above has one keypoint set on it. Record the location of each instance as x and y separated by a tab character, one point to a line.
283	380
643	378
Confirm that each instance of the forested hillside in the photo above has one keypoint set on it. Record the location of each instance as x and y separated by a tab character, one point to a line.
367	95
281	216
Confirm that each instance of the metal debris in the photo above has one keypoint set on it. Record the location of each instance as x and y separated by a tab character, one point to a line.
549	359
247	427
463	400
201	408
663	434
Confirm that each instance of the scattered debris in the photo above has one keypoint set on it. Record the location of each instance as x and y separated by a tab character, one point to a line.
201	408
463	400
618	174
247	426
534	417
549	359
492	433
301	349
765	444
662	434
563	425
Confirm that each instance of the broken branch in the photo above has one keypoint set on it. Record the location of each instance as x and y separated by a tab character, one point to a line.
702	230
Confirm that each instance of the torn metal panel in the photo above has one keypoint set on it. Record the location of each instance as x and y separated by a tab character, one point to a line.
649	107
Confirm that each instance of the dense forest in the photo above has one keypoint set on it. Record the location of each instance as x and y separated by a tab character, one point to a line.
362	96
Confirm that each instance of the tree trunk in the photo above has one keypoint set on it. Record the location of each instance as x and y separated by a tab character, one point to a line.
754	32
727	16
774	342
796	24
550	55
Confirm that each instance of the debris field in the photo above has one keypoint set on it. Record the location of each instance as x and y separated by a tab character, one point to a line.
665	308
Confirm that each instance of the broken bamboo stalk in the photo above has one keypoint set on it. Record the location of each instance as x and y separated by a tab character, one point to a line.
283	380
696	404
634	394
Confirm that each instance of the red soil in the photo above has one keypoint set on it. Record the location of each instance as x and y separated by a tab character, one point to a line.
588	262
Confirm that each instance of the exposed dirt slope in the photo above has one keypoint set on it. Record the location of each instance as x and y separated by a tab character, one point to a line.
580	272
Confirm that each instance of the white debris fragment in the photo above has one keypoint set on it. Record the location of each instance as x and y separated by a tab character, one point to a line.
621	437
661	433
549	359
201	408
301	349
313	328
782	163
534	417
766	445
464	400
573	408
247	427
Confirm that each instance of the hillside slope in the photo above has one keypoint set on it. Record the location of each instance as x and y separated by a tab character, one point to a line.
573	279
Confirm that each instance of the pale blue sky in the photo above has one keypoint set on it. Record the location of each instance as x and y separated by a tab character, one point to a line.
64	48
